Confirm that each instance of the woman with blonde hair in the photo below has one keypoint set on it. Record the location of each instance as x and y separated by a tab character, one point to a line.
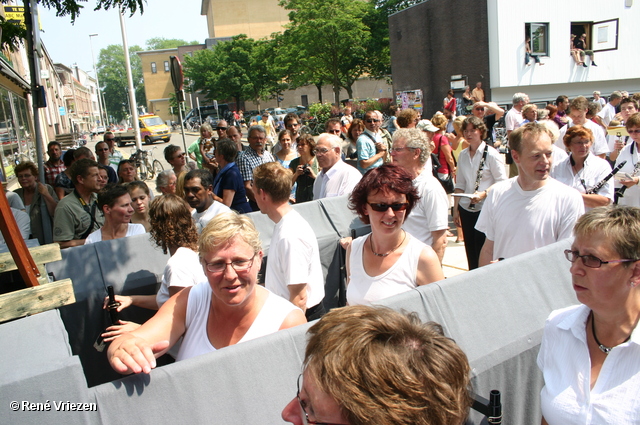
229	308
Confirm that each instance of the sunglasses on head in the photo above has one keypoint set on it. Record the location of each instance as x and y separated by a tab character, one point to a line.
400	206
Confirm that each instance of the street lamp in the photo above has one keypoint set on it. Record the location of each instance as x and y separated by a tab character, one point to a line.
95	71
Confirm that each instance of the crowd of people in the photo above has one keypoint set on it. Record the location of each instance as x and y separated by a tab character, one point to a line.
564	170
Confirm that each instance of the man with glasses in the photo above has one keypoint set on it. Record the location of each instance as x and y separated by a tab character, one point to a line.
628	107
252	157
531	210
333	126
337	178
292	123
357	356
372	149
221	129
293	266
115	156
490	113
102	155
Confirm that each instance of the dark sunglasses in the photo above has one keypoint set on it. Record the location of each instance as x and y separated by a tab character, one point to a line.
369	121
384	207
221	128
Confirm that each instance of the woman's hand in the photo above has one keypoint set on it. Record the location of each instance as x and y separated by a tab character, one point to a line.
115	331
131	354
42	189
456	217
122	299
479	197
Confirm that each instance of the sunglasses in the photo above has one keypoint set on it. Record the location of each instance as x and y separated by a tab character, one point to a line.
369	121
636	131
400	206
221	128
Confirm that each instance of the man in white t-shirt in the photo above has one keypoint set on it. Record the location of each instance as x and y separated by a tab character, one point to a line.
512	120
532	210
578	116
293	271
429	218
609	110
198	192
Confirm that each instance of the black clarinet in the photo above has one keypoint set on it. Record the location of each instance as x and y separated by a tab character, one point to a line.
604	181
479	174
620	191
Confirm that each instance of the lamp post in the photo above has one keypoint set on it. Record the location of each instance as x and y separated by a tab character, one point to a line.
95	71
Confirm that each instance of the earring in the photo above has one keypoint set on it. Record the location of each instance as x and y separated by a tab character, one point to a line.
633	284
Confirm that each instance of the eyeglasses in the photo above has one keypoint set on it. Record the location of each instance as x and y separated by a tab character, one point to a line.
238	265
478	109
180	155
221	128
590	260
305	416
321	151
293	124
369	121
400	206
636	131
580	142
396	150
335	131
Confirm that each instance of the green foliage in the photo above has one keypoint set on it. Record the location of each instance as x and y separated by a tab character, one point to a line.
160	43
330	38
73	7
12	34
113	79
320	111
238	69
173	104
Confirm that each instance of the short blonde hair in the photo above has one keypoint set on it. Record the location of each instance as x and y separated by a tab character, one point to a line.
224	227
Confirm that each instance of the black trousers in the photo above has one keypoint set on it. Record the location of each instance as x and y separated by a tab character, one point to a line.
473	239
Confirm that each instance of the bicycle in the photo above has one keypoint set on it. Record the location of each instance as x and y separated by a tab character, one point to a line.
312	127
146	166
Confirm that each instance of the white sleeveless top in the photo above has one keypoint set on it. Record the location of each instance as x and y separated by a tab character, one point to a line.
196	340
401	277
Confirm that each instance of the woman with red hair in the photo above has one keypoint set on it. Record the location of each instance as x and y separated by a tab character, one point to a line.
388	261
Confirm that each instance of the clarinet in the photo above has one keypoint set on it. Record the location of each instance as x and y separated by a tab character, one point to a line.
604	181
479	174
620	191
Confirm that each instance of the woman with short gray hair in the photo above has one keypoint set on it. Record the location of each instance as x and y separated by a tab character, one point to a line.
166	182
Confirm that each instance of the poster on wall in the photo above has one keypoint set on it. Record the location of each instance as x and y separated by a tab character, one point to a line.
409	99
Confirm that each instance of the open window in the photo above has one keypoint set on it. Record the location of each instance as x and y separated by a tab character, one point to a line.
601	36
539	34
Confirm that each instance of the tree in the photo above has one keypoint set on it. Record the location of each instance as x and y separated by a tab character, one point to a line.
113	78
160	43
236	69
333	36
72	8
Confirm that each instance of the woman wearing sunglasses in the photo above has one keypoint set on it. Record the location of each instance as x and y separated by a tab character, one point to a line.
388	261
229	308
590	353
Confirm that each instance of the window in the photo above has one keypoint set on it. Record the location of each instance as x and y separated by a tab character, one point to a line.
166	66
539	34
154	69
601	36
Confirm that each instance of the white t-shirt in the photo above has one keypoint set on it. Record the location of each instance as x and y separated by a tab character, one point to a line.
513	119
401	277
607	113
519	221
557	156
201	219
132	230
183	270
595	169
631	195
599	145
566	398
431	212
339	180
294	258
22	220
492	172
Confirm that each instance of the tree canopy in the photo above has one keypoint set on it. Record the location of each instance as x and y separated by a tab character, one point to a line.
236	69
113	79
160	43
72	8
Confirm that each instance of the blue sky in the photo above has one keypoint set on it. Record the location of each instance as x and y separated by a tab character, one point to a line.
69	44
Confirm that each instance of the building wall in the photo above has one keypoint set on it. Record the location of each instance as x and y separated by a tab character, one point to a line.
434	40
157	86
255	18
617	69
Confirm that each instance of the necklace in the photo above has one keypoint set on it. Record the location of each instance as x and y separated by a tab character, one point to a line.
386	253
602	348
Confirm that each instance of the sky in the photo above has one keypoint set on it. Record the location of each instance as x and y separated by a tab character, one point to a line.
69	44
